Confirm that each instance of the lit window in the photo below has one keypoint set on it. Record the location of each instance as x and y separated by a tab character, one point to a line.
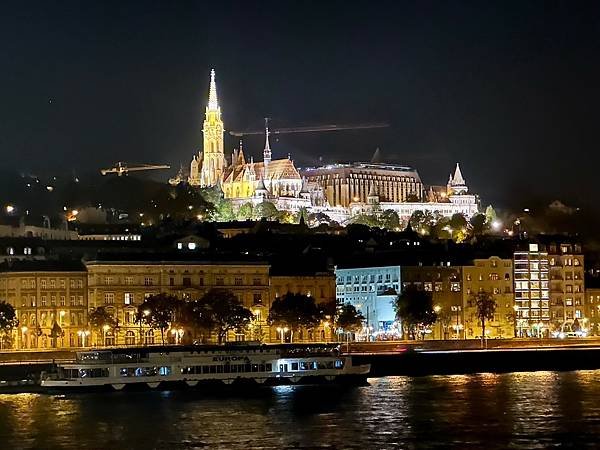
128	298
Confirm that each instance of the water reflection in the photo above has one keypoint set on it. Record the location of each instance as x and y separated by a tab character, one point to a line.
519	410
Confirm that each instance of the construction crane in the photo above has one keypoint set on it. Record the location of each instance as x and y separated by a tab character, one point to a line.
312	129
121	168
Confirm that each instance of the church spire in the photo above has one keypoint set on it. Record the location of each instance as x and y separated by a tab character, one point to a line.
267	150
213	103
458	178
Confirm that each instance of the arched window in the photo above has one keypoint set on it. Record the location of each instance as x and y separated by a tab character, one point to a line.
109	339
130	338
149	338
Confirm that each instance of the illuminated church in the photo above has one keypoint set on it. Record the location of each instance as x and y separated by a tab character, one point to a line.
275	180
338	191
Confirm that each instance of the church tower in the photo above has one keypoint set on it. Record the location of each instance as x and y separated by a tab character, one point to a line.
267	150
213	161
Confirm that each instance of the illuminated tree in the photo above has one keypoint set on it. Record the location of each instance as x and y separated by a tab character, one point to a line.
390	219
246	211
302	214
486	307
348	318
100	321
294	311
159	311
414	308
224	211
219	310
8	321
266	210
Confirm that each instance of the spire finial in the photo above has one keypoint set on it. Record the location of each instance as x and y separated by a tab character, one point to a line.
212	92
267	150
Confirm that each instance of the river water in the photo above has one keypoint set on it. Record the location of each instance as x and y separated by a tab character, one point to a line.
515	410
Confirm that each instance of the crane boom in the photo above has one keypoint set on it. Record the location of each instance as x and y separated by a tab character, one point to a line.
312	129
122	168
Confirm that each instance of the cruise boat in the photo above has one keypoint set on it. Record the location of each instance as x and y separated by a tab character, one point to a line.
168	367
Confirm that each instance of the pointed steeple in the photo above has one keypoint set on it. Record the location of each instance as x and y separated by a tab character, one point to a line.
241	158
458	178
267	150
213	103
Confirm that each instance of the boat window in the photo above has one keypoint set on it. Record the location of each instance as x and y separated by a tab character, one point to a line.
219	369
269	367
313	365
226	368
262	368
205	369
303	365
213	369
164	370
100	372
149	371
84	373
198	369
248	368
339	364
330	364
295	366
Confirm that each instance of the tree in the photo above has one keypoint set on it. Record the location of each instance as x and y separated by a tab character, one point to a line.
266	210
478	224
486	307
390	219
159	311
220	310
348	318
414	308
458	225
8	321
223	211
101	320
370	220
302	215
422	221
55	333
246	211
444	317
294	311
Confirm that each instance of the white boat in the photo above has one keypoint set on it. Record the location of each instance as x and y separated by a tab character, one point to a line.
168	367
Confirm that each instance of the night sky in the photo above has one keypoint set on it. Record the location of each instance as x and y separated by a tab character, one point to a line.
509	89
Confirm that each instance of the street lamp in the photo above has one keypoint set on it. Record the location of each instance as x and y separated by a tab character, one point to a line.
83	334
146	313
105	329
437	309
177	334
23	336
282	332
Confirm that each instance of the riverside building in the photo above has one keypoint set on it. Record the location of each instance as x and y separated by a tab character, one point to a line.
121	285
50	302
372	291
494	276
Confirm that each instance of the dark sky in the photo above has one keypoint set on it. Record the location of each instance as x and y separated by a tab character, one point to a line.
509	89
